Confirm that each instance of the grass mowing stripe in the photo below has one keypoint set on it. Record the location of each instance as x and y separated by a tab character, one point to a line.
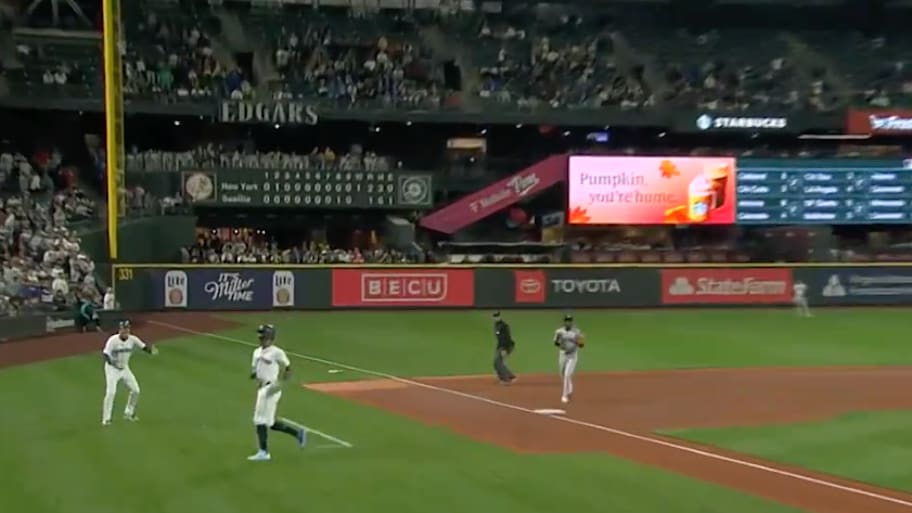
459	342
872	447
606	429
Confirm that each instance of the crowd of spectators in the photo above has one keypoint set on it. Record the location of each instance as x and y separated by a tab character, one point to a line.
356	58
713	77
215	156
245	249
889	81
353	67
173	58
41	262
570	67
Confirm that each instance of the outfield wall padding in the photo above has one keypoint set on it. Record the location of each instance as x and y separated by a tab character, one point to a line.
30	325
188	287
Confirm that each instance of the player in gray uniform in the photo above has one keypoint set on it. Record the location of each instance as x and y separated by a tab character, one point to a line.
800	299
568	340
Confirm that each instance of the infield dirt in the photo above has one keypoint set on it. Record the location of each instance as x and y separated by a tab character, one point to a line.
619	413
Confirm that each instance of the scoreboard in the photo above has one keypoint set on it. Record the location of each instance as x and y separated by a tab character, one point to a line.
307	188
845	191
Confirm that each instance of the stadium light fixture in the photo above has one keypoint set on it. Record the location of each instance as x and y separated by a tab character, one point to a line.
55	10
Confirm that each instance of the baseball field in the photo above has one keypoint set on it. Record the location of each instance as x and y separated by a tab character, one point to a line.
689	411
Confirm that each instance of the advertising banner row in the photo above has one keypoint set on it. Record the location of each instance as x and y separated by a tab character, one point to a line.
552	287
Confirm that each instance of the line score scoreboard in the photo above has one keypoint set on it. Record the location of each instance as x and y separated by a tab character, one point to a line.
843	191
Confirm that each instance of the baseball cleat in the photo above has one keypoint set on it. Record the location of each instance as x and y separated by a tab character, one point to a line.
106	423
260	456
131	417
302	437
565	399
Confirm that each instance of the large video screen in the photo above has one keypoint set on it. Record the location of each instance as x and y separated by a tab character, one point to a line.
651	190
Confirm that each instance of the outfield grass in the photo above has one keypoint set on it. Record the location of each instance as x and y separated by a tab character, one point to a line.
452	343
873	447
188	452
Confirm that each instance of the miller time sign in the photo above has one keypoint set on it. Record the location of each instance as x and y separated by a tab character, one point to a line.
279	113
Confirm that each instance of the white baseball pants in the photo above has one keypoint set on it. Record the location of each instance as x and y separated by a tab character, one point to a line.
801	306
567	365
267	402
113	376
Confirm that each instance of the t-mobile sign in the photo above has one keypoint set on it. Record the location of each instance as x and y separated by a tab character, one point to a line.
497	196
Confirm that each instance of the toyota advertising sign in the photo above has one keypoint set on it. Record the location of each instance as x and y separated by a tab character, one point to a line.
582	287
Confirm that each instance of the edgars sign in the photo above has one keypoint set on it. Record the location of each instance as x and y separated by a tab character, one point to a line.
879	122
706	122
280	113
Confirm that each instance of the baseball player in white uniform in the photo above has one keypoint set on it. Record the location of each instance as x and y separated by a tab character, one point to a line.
116	354
800	299
271	368
568	340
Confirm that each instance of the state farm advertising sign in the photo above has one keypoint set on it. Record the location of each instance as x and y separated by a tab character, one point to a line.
403	288
726	286
879	122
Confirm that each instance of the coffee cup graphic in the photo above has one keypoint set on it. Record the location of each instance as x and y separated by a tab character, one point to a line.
718	180
700	199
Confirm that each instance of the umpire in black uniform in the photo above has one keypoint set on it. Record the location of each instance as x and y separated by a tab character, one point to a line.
505	345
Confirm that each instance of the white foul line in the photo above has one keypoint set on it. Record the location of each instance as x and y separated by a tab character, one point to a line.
597	427
317	432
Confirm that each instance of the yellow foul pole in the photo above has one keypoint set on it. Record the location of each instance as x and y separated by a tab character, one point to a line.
113	107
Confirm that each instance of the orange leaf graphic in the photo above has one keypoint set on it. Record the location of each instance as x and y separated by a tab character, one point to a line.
676	215
579	215
668	169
